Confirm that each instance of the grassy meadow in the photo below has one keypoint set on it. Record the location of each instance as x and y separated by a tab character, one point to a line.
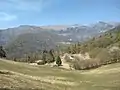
22	76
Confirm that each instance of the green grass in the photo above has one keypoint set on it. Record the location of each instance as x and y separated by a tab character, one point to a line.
21	76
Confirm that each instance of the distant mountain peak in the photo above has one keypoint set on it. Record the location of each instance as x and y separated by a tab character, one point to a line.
24	26
101	22
28	26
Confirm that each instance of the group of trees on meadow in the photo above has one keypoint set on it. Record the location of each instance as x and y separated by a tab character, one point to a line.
50	57
46	56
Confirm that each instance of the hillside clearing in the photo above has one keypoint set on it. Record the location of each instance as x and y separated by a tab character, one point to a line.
21	76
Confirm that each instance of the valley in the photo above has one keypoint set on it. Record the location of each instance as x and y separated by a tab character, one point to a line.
59	44
38	59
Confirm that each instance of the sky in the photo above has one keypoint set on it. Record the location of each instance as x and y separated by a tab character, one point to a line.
57	12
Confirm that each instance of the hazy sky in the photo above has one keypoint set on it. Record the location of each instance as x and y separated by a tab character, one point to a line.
50	12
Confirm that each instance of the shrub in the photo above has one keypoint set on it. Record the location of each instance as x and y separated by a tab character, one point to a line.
2	52
104	56
67	58
58	61
48	57
115	56
86	64
109	57
40	63
94	52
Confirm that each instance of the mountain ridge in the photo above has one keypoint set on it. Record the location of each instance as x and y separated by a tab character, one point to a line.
32	38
